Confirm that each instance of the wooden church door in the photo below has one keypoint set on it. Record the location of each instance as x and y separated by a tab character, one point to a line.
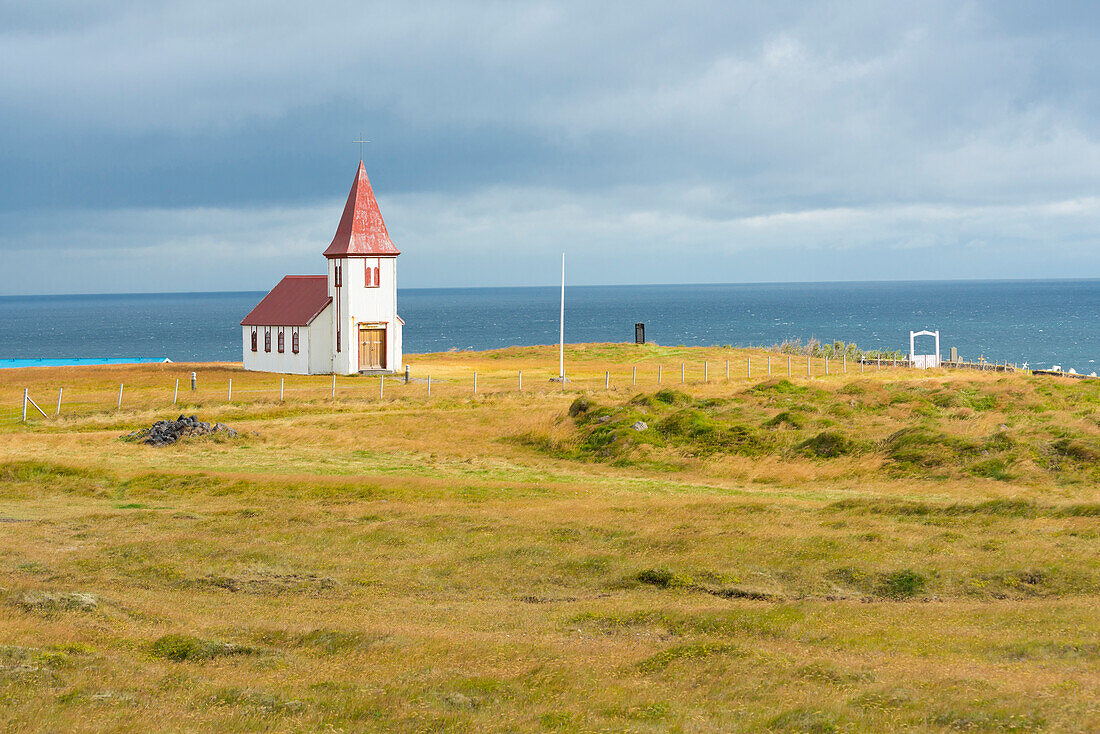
372	348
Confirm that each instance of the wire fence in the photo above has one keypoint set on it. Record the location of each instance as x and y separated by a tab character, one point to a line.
44	403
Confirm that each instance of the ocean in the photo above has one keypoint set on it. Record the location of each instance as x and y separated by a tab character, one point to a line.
1041	322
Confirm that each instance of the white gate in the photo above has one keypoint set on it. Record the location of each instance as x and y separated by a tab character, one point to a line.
924	361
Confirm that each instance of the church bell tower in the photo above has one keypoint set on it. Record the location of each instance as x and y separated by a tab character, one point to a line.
362	281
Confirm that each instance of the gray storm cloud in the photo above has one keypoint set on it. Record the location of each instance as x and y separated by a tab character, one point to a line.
208	145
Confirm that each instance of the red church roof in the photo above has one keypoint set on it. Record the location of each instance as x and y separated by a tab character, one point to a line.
361	230
295	301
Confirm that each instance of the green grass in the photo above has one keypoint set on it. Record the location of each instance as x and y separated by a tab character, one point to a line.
904	430
897	552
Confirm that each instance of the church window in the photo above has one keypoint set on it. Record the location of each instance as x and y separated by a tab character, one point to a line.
267	339
282	342
371	275
339	275
294	342
253	338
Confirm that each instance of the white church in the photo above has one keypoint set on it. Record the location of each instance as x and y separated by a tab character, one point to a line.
344	322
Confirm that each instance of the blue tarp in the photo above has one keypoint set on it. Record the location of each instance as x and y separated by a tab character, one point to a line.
10	363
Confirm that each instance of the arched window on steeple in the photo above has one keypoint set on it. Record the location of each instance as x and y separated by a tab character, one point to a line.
371	274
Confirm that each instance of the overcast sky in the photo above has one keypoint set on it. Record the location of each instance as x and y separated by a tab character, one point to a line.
189	146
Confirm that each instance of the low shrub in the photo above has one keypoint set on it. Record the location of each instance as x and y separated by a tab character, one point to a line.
945	399
662	578
1076	450
46	601
702	434
999	441
579	407
1085	509
661	399
827	445
790	418
180	648
901	584
983	403
691	651
782	386
672	397
918	446
991	469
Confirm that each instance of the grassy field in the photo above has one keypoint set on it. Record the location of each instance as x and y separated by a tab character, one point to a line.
892	550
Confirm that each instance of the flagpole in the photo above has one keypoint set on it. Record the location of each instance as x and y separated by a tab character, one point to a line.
561	343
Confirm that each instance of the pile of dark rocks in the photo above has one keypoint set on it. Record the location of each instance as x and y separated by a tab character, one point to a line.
163	433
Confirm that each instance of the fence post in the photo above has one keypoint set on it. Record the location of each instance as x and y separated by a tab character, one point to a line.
681	373
727	370
282	385
826	365
230	398
28	399
406	374
606	380
634	375
59	400
808	360
475	383
844	362
521	380
333	384
706	371
748	367
769	365
119	406
381	386
658	374
788	365
429	386
861	363
176	392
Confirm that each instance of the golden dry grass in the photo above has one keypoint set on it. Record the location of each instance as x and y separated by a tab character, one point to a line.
464	563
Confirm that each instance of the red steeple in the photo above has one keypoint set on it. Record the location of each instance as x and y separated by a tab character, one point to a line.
361	230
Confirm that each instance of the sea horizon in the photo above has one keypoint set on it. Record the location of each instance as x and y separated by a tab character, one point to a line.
584	285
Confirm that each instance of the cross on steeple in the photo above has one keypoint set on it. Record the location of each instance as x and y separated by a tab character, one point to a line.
360	141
